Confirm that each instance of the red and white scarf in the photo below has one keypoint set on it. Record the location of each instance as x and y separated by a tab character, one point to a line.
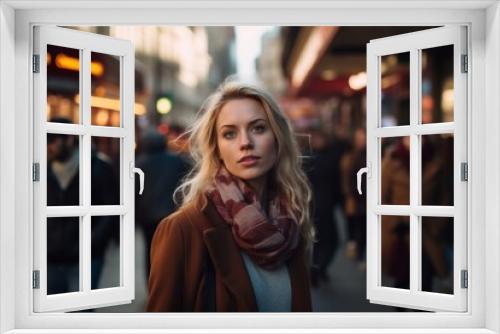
269	241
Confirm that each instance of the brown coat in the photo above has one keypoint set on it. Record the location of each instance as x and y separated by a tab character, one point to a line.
177	279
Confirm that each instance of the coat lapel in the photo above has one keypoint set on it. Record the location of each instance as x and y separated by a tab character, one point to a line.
299	280
224	253
227	260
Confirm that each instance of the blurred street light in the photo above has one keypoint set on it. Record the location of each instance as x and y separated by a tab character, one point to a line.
111	104
163	105
73	64
358	81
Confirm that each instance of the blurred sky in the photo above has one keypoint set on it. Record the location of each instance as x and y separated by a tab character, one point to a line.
248	43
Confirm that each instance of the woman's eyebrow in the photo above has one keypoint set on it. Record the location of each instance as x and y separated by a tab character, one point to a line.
249	123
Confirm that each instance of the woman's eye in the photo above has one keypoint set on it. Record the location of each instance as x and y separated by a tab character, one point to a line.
229	134
259	128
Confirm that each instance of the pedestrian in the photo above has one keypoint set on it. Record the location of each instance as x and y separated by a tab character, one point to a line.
355	204
164	172
239	241
323	171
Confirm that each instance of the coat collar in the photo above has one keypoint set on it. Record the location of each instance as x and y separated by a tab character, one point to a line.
228	263
223	251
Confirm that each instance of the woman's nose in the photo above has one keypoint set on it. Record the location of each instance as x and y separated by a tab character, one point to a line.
246	141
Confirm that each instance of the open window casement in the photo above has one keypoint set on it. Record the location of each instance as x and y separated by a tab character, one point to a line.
79	222
415	229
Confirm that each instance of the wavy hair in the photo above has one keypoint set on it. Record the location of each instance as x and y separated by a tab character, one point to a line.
287	176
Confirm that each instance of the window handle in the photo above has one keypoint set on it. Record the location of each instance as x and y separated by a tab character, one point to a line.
135	170
360	173
141	179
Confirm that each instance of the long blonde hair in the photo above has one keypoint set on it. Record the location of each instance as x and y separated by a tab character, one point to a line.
287	176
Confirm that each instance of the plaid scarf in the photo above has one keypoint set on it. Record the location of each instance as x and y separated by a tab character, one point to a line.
269	241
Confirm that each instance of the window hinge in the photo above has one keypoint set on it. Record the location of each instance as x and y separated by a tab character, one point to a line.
36	63
36	279
36	172
464	171
465	279
465	66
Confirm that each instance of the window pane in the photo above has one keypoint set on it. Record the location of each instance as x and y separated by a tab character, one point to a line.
105	231
395	171
437	84
437	169
395	89
63	84
63	170
105	170
105	103
437	254
395	231
63	255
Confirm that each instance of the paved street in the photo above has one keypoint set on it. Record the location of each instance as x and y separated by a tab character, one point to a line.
346	290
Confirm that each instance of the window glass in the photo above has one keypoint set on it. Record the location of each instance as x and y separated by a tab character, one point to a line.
63	255
63	170
105	270
395	89
437	169
105	100
437	254
395	252
105	171
437	84
63	84
395	171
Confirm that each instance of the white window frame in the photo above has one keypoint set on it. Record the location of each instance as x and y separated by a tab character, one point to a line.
483	19
413	44
85	43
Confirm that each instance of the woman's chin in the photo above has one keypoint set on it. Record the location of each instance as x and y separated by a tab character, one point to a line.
248	175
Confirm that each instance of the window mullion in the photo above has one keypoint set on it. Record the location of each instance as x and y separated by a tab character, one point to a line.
433	128
419	129
415	259
127	274
125	177
85	175
372	180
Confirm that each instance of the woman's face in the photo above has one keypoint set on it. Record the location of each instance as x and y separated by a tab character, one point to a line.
245	141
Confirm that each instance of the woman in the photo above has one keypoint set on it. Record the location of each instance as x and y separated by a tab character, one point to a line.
239	240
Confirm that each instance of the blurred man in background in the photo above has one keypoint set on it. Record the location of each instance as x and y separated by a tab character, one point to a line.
163	173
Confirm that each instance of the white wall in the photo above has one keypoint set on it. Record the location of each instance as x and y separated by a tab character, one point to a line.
7	184
493	165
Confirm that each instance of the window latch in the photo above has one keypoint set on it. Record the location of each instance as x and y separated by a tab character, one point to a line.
135	170
360	173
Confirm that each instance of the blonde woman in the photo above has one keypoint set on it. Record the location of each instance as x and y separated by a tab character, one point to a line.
240	238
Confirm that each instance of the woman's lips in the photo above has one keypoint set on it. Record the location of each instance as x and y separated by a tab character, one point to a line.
248	162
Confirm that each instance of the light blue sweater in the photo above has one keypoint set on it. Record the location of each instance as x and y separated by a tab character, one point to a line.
271	287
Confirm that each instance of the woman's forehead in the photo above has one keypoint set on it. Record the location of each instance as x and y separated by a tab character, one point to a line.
240	111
